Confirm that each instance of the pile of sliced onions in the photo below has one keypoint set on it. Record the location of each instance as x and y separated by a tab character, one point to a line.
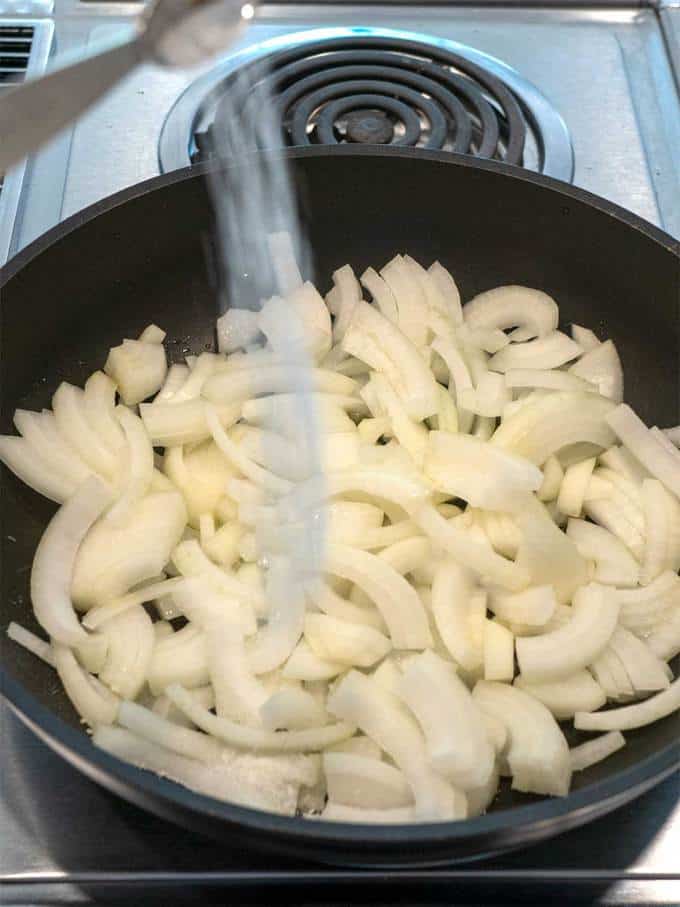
503	547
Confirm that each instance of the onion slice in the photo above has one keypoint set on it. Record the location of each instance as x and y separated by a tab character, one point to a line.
381	717
642	444
55	558
575	645
256	739
632	716
513	306
593	751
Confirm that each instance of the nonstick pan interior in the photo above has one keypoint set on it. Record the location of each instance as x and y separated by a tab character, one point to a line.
144	256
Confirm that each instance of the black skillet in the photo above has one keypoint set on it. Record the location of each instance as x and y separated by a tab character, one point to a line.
140	257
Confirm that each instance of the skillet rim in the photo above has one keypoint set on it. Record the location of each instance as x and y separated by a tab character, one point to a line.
482	835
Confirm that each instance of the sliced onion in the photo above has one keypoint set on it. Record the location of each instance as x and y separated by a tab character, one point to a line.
574	486
138	369
584	337
483	475
139	463
658	529
237	329
664	640
593	751
304	664
192	562
642	444
460	379
364	783
614	563
451	606
499	652
100	404
412	311
641	608
449	290
171	424
34	471
468	551
601	366
577	644
380	716
511	306
202	475
454	730
69	411
292	709
180	740
238	694
274	643
645	671
260	782
198	599
551	379
439	319
538	755
633	716
347	293
534	606
489	398
382	294
344	642
410	434
100	614
395	598
329	602
546	554
500	530
41	433
621	460
53	564
92	700
376	341
257	739
549	351
131	641
239	460
236	387
180	658
547	424
566	696
175	378
112	559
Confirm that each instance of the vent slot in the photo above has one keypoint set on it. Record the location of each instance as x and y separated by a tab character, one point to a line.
16	42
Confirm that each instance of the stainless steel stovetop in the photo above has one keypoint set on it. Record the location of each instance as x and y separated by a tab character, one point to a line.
598	89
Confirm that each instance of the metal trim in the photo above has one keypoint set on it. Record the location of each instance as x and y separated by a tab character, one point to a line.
43	33
557	150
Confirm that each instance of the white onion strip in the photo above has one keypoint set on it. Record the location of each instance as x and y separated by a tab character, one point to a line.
55	557
395	597
632	716
256	739
642	444
140	466
593	751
